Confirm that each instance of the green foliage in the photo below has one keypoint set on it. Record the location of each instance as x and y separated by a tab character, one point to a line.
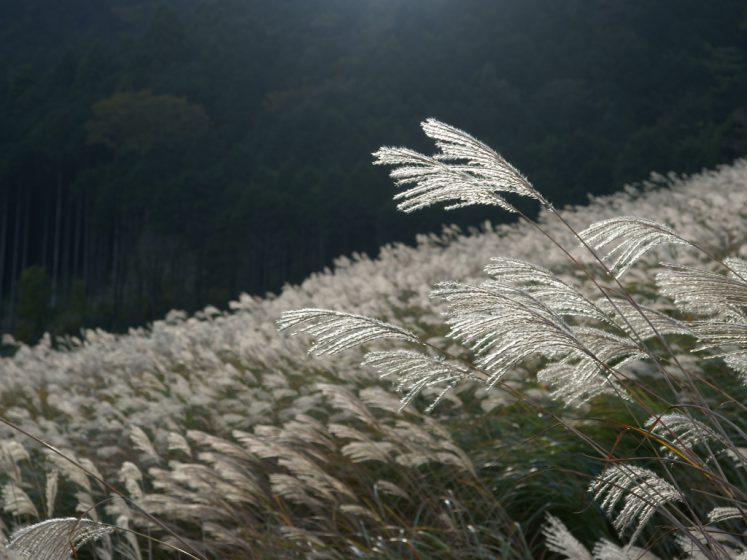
33	309
142	123
76	313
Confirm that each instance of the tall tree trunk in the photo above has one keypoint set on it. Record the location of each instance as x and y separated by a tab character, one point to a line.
3	244
78	237
45	238
57	240
261	269
115	268
16	258
66	253
86	242
25	236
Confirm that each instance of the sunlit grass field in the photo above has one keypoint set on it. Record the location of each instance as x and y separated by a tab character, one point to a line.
243	446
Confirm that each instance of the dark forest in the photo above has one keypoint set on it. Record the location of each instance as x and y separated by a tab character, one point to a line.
172	154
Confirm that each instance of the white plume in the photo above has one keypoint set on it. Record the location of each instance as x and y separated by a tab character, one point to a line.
559	539
643	490
335	331
630	238
463	173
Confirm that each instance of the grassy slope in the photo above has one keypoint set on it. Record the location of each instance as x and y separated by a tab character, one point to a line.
251	438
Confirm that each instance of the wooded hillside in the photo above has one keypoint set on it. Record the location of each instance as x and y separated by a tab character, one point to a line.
162	154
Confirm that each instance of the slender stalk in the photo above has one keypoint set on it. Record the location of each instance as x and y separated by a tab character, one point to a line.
103	482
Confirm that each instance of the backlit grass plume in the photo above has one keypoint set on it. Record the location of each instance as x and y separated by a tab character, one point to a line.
581	339
463	172
558	383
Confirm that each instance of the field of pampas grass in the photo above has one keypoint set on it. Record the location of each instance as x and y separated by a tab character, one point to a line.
615	431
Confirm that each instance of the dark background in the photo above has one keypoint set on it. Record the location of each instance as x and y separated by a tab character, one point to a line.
172	153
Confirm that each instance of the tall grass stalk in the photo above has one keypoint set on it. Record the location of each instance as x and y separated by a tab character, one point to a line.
587	339
573	397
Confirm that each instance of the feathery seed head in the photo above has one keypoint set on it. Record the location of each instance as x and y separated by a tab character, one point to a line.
464	172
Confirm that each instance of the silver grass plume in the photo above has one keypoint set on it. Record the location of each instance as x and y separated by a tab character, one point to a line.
141	442
343	398
17	502
55	539
573	390
701	291
50	491
719	514
639	321
719	543
607	550
335	331
378	398
683	430
726	339
737	266
559	539
738	362
599	351
128	548
543	285
386	487
415	371
11	454
630	238
464	172
643	490
177	442
503	325
71	472
729	337
132	478
362	448
585	372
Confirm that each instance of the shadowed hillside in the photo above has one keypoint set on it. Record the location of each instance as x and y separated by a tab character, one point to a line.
161	154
